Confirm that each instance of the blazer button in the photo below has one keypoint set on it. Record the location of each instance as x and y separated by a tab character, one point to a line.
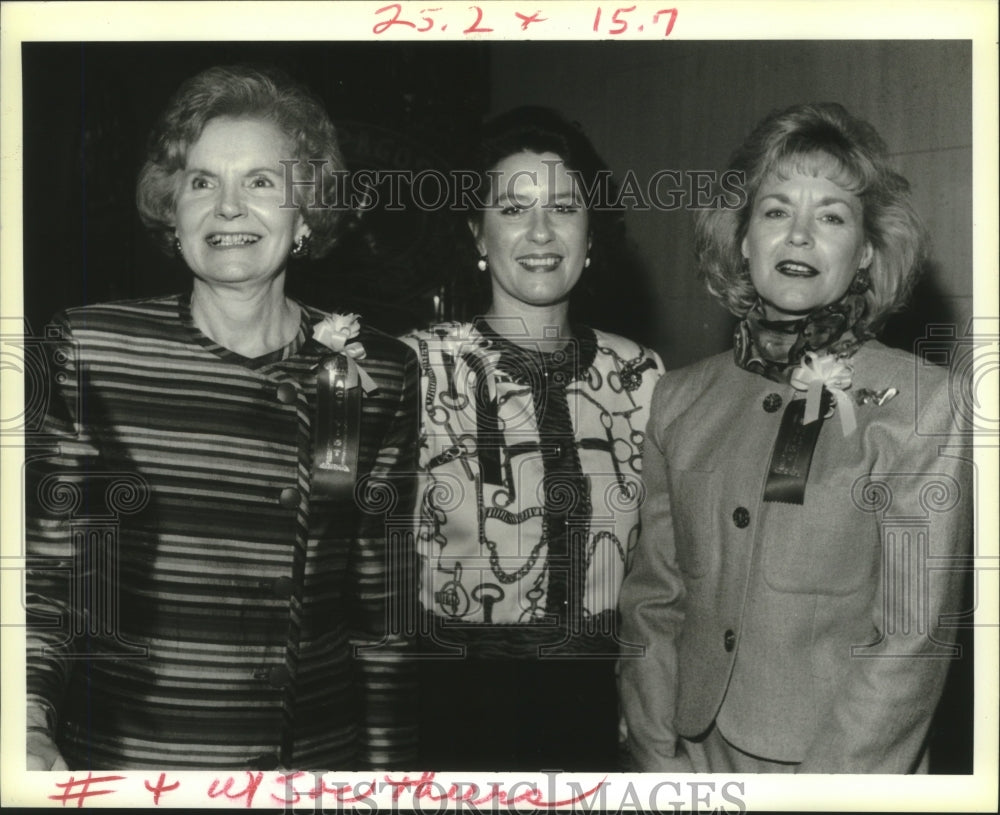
772	402
278	676
285	393
289	498
265	762
729	640
282	587
741	517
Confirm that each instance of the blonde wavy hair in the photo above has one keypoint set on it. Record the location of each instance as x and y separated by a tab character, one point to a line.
818	137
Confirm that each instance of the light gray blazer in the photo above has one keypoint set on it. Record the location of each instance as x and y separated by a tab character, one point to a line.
814	633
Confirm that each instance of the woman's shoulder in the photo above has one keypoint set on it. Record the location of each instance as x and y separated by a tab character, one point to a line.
438	331
711	367
120	315
678	387
614	347
923	384
453	335
622	346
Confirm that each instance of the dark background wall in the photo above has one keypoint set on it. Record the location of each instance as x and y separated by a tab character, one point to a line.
647	106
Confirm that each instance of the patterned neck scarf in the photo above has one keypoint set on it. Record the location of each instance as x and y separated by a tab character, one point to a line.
776	349
773	348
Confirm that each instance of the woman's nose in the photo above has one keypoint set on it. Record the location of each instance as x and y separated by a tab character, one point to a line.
541	227
800	231
230	203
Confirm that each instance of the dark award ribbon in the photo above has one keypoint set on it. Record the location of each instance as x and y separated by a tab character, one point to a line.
338	428
792	454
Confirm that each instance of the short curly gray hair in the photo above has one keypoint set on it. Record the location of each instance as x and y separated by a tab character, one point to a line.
236	91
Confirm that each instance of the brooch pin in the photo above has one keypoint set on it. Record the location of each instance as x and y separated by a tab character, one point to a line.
631	372
867	396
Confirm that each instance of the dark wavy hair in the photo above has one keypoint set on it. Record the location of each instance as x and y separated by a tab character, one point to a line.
819	137
240	91
536	129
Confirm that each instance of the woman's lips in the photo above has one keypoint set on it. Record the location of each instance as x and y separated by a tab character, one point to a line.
796	268
230	240
540	263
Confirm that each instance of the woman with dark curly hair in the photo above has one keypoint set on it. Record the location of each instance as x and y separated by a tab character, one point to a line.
261	443
797	492
531	430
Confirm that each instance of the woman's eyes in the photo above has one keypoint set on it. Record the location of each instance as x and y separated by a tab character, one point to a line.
776	213
258	182
559	209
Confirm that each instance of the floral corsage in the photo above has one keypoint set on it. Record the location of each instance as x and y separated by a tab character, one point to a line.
336	331
819	371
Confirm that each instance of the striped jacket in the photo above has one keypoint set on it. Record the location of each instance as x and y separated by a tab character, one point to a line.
193	603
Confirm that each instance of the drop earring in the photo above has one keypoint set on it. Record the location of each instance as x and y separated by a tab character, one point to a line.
481	263
862	282
301	247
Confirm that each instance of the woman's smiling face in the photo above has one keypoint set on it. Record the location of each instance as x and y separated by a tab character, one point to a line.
805	242
534	232
230	219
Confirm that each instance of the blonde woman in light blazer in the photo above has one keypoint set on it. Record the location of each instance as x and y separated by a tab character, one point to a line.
802	497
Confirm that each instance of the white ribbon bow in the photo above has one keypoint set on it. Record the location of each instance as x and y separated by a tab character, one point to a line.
335	332
818	371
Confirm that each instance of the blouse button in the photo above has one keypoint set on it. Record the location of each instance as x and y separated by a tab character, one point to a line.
282	587
772	402
729	640
741	517
289	498
285	393
278	676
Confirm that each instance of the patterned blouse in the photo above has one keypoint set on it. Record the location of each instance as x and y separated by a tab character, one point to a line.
531	490
193	601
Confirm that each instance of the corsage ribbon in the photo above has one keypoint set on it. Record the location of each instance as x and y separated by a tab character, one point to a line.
824	378
338	407
824	371
336	332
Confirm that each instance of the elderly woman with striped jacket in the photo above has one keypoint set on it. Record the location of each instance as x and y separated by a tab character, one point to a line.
214	580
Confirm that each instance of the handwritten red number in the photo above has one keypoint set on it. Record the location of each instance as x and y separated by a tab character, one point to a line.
474	28
597	19
385	25
673	19
428	20
619	21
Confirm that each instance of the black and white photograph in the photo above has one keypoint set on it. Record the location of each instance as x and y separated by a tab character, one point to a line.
502	406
